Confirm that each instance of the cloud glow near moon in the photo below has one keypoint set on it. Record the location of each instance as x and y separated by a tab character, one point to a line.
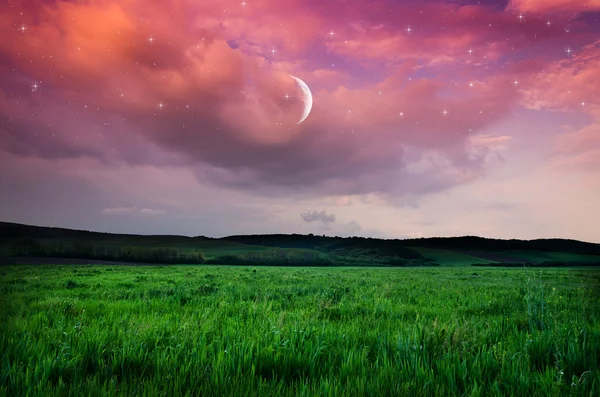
307	98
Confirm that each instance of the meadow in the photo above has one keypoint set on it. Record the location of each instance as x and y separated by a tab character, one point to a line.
298	331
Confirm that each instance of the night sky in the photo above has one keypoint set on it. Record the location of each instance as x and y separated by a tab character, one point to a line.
430	118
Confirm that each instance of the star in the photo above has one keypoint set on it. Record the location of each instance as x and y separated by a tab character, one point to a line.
568	51
151	40
161	105
35	87
470	50
22	28
244	4
408	29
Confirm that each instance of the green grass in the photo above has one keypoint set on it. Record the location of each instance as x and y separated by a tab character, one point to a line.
449	257
213	248
543	256
222	330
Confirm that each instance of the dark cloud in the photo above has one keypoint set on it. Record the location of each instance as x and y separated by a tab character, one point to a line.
318	216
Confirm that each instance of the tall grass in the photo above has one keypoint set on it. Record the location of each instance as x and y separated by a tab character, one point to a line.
535	302
224	330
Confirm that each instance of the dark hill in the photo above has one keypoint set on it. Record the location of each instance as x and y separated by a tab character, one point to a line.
16	230
354	245
466	243
17	239
480	243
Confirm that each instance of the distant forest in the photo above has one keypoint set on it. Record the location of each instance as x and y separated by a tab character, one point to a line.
18	240
31	248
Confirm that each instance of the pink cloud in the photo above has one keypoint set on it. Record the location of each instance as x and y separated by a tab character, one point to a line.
543	6
451	33
480	146
578	150
202	87
569	84
572	85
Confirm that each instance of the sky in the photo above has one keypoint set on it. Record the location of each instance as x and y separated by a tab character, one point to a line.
429	118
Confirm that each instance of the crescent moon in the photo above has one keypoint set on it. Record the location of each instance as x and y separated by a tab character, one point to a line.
307	98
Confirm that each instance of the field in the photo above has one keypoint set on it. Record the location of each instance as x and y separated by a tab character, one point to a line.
223	330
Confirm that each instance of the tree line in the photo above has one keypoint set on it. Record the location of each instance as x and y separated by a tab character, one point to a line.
142	254
33	248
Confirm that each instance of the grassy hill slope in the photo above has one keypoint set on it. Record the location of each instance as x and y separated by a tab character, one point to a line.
210	248
295	249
